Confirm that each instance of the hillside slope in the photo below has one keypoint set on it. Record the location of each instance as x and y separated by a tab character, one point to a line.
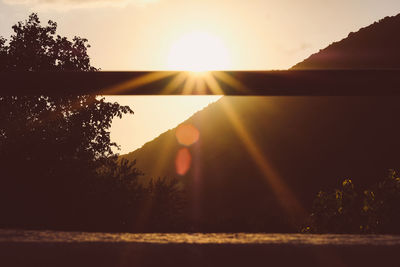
376	46
298	146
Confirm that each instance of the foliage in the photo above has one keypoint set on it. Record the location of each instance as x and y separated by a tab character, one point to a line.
77	123
382	204
122	202
34	47
168	205
58	165
347	211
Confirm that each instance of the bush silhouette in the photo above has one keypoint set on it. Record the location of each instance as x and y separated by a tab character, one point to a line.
347	210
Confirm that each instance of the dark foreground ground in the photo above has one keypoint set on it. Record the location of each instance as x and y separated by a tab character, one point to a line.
269	250
117	254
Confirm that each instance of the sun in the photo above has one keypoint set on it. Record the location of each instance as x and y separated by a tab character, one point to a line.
199	51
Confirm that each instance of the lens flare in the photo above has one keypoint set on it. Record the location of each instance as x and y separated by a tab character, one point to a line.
183	161
187	134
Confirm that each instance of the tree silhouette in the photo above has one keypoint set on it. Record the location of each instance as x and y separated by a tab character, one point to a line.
168	205
59	170
33	47
51	147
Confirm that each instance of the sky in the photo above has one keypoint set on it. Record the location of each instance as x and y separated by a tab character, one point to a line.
129	35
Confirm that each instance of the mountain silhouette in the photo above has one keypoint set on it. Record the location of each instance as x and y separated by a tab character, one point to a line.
375	46
259	161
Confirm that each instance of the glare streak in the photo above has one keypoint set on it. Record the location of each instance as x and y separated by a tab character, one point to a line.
284	195
189	85
137	82
229	80
175	82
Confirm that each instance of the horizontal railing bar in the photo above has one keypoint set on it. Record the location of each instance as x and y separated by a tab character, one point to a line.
273	83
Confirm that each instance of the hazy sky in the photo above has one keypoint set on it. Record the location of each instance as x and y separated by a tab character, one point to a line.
178	34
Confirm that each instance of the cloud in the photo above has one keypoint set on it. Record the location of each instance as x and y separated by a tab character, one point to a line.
72	4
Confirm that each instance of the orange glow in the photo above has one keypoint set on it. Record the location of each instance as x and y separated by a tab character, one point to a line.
199	51
183	161
187	134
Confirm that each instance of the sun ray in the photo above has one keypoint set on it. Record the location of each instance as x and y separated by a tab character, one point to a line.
200	86
212	83
230	80
137	82
189	85
175	82
283	193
